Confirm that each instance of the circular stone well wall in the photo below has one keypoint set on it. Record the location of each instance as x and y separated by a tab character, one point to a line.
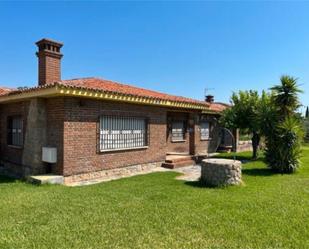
220	172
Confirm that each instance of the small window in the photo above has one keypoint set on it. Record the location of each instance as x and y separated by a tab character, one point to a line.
117	133
15	131
204	126
178	133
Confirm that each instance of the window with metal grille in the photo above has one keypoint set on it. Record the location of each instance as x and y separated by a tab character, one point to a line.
15	131
204	127
178	133
117	132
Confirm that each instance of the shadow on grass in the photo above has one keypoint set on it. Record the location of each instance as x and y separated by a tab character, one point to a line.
5	179
258	172
200	184
238	157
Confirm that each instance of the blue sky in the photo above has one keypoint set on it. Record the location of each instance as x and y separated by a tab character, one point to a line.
175	47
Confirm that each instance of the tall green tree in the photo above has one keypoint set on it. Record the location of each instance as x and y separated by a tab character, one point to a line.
307	113
244	114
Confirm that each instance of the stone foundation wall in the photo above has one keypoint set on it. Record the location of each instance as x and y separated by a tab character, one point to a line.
220	172
13	169
111	174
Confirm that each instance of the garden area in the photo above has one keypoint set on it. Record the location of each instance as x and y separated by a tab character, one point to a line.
270	209
157	211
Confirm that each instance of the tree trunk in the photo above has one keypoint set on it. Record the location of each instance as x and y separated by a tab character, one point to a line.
255	144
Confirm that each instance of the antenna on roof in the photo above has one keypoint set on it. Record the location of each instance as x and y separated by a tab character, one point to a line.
206	90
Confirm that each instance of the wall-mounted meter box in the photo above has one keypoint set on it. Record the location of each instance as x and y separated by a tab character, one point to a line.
49	154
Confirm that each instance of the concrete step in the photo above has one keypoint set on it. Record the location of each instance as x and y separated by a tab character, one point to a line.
178	164
177	159
46	179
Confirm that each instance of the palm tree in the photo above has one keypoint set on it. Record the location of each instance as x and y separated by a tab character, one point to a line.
286	95
283	141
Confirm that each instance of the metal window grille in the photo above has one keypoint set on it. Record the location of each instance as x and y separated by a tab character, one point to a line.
117	132
178	131
204	126
15	131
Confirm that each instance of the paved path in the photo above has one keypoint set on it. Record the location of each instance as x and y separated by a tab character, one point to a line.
189	173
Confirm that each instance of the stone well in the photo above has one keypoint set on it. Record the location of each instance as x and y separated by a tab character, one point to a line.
220	172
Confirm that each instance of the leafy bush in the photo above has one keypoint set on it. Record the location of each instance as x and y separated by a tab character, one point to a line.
244	115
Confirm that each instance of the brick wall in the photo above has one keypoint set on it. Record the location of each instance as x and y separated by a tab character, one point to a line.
72	127
49	69
182	146
80	144
10	154
203	147
55	125
81	136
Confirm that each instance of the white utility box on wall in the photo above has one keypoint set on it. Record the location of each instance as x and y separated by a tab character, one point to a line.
49	154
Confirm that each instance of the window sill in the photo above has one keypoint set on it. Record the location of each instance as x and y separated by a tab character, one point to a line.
207	139
15	147
178	141
125	149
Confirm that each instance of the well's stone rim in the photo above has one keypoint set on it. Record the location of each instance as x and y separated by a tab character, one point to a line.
221	172
221	161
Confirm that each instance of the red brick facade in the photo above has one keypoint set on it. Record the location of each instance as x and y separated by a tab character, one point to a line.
72	128
49	69
81	124
9	153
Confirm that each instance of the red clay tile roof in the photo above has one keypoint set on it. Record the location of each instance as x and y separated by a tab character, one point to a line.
218	107
115	87
5	90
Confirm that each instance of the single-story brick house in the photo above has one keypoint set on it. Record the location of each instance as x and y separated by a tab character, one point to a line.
97	126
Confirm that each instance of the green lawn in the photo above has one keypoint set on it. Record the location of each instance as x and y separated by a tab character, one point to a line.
157	211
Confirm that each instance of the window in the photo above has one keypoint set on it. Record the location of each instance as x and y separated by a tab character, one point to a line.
204	127
178	131
118	133
15	131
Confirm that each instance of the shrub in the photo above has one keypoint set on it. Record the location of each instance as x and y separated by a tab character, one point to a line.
284	146
283	127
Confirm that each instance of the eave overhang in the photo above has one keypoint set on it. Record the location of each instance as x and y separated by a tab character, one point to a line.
62	90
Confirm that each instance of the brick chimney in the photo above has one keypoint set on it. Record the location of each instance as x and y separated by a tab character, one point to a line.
49	57
209	98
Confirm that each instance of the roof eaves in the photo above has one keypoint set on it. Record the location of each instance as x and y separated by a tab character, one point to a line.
42	91
58	88
80	91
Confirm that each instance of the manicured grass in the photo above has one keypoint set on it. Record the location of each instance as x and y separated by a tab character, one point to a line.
157	211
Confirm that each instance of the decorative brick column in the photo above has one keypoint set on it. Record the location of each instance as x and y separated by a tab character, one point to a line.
35	138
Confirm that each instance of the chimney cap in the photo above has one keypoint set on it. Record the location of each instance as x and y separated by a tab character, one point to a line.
209	98
49	41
